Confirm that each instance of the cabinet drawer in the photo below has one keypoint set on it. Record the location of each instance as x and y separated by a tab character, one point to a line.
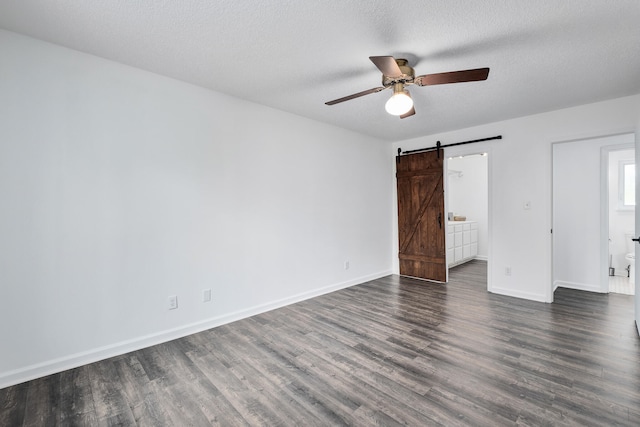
466	227
466	237
458	228
450	238
457	239
474	236
450	229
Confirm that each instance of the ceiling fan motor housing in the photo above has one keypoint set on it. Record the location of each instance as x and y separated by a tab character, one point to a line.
406	77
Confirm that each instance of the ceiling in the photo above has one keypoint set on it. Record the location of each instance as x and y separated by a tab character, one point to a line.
296	55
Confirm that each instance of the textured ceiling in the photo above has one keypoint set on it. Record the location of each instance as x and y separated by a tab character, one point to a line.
295	55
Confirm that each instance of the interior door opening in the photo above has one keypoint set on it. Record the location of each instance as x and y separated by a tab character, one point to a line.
620	186
589	251
467	196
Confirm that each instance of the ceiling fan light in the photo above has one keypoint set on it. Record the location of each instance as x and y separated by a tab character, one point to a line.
399	104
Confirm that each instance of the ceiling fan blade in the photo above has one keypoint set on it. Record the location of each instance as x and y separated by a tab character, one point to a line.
386	64
408	113
355	95
453	77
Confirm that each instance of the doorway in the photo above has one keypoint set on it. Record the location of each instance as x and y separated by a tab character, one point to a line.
620	200
467	201
580	212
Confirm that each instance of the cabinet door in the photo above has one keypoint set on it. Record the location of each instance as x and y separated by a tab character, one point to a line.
458	254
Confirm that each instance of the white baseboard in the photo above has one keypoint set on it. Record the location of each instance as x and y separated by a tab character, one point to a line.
589	287
519	294
83	358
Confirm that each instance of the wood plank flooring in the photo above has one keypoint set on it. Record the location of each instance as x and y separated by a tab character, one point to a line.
393	351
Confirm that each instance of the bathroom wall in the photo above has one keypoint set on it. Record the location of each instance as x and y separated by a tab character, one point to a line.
620	221
467	195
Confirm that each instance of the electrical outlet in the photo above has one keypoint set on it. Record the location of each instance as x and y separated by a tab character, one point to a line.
206	295
173	302
346	265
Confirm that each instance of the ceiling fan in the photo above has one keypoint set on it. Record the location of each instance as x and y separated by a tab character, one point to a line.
396	74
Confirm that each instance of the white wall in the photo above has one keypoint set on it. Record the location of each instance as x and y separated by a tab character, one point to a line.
620	221
120	187
467	194
637	215
580	249
519	172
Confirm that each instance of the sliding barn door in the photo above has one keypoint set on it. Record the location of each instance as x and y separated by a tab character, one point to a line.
421	219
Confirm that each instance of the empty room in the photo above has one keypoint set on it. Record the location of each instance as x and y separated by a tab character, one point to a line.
330	213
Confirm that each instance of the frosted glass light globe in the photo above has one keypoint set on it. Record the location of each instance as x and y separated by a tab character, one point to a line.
399	104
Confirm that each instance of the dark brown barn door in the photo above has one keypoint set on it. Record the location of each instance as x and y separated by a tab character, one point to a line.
421	220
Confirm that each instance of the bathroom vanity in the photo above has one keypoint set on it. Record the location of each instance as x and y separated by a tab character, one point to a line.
462	241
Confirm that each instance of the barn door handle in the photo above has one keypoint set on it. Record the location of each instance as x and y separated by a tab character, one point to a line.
636	240
440	220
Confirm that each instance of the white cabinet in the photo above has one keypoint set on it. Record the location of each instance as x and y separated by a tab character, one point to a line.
462	242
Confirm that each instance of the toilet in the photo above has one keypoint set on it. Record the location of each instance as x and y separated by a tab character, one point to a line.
630	257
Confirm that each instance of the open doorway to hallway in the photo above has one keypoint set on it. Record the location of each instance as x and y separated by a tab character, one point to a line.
587	251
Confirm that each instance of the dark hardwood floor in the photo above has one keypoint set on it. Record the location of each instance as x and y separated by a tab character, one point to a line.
393	351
